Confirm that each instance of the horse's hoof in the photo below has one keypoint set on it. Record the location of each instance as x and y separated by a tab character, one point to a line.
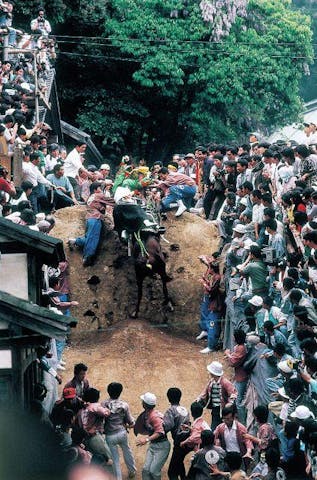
170	307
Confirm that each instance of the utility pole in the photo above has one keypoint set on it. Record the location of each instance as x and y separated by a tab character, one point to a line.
36	93
6	48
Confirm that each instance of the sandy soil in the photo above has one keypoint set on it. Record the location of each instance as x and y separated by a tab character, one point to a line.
145	354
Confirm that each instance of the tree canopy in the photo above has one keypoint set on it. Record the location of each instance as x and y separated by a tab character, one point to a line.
160	78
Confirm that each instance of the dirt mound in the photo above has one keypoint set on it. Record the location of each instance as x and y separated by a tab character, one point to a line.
113	299
135	352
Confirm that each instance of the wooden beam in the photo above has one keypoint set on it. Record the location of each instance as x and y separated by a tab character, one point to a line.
31	316
48	247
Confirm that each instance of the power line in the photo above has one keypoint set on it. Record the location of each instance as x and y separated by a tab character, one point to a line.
290	56
158	40
110	45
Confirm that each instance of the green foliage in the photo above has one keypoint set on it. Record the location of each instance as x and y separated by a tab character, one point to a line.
215	91
158	84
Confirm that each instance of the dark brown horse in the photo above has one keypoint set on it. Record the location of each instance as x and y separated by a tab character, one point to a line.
149	260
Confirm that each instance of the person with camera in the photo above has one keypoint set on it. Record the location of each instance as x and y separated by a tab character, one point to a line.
6	9
40	25
255	269
215	194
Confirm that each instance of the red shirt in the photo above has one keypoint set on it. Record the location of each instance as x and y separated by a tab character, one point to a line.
236	359
154	419
5	185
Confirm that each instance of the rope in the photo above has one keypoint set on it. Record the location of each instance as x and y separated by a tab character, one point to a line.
137	236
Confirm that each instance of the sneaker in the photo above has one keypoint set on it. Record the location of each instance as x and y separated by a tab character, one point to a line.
202	335
206	350
181	209
60	367
62	363
71	243
197	211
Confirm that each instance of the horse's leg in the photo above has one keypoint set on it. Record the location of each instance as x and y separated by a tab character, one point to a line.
140	279
167	300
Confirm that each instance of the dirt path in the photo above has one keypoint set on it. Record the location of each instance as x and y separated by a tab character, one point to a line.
140	354
143	358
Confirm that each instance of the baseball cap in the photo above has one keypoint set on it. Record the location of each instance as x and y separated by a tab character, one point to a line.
302	413
282	392
149	398
256	300
239	228
189	155
104	166
69	392
285	366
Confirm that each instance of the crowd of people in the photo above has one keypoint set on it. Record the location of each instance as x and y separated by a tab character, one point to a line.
258	289
258	306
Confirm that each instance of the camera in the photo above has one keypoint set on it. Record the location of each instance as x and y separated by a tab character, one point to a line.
269	255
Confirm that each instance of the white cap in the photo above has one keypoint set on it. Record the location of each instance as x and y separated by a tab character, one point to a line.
248	242
302	413
148	398
282	392
104	166
212	457
239	228
285	366
252	339
256	300
215	368
122	192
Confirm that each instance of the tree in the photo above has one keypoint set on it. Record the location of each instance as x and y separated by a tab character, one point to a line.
166	74
196	90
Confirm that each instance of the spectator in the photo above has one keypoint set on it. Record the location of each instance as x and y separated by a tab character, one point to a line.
79	381
40	25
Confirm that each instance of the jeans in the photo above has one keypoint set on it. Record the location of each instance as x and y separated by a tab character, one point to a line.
120	439
60	344
62	200
97	446
75	186
241	389
179	192
34	198
209	322
89	243
155	458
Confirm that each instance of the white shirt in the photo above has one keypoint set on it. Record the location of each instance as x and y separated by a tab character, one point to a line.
50	163
7	134
32	174
257	213
72	164
230	436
